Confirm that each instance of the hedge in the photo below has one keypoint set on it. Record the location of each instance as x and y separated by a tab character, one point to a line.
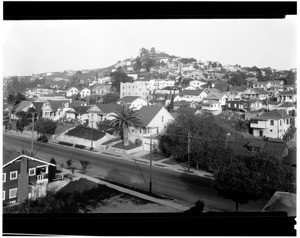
65	143
80	146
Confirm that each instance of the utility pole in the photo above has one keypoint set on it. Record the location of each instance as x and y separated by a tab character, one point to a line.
32	130
150	184
189	150
92	136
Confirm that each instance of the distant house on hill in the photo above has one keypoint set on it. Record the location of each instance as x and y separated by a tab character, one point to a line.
71	91
85	92
255	93
288	96
191	96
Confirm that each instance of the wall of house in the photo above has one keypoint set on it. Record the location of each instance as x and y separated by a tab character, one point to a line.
138	103
133	89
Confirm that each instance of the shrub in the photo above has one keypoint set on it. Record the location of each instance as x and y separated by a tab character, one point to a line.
79	146
69	163
138	142
65	143
84	164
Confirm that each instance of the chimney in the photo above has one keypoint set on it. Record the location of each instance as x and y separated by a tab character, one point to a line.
23	179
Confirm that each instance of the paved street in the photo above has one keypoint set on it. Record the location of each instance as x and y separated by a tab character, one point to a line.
184	188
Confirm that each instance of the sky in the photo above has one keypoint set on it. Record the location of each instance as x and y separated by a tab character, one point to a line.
32	47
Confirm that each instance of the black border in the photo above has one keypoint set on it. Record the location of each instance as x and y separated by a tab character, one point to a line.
146	10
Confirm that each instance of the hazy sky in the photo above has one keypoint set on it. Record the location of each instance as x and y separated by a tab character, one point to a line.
45	46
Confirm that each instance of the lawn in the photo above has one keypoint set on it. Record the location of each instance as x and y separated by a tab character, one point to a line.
110	141
86	133
121	146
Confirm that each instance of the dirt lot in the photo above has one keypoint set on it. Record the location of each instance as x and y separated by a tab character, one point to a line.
128	204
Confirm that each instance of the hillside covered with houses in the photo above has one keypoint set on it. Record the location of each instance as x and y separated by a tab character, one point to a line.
166	85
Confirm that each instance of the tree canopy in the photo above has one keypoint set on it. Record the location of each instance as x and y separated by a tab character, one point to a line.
290	78
110	98
45	126
118	77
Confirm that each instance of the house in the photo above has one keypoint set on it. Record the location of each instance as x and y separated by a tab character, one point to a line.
104	80
24	177
190	87
255	93
44	98
79	114
180	104
273	124
55	110
133	89
191	96
22	106
216	96
101	112
85	92
77	103
155	120
255	104
282	202
71	91
251	146
197	83
134	102
288	96
38	108
237	105
212	106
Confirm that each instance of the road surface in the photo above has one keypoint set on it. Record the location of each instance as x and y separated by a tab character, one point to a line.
183	188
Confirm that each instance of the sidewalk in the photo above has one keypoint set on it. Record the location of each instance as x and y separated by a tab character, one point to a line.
136	157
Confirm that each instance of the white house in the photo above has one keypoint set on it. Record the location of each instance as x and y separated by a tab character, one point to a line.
22	106
71	91
212	106
273	124
55	110
85	92
134	102
155	120
79	114
255	93
287	97
191	96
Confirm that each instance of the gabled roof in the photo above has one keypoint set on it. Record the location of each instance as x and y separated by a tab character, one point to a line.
81	109
57	104
287	93
287	104
147	113
26	156
259	91
20	106
38	105
192	92
107	108
275	114
282	201
129	99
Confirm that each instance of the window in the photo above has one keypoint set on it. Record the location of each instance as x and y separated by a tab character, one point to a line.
287	121
13	193
271	130
272	122
13	175
4	177
162	119
3	195
32	172
280	122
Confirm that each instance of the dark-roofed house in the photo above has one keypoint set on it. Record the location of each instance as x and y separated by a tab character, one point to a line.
282	202
251	146
22	106
38	108
134	102
24	177
155	120
273	124
101	112
55	110
78	103
255	93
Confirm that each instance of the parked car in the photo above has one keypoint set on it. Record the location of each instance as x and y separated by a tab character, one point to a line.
43	139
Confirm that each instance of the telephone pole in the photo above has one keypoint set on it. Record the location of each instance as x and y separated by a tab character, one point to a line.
189	150
150	184
92	136
32	130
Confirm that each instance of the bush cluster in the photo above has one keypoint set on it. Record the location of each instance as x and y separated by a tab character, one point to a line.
79	146
65	143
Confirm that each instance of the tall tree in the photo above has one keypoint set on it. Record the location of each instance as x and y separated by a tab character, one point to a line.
290	78
117	78
110	98
52	170
45	126
125	118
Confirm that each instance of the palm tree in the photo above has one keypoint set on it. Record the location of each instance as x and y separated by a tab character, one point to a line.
125	118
